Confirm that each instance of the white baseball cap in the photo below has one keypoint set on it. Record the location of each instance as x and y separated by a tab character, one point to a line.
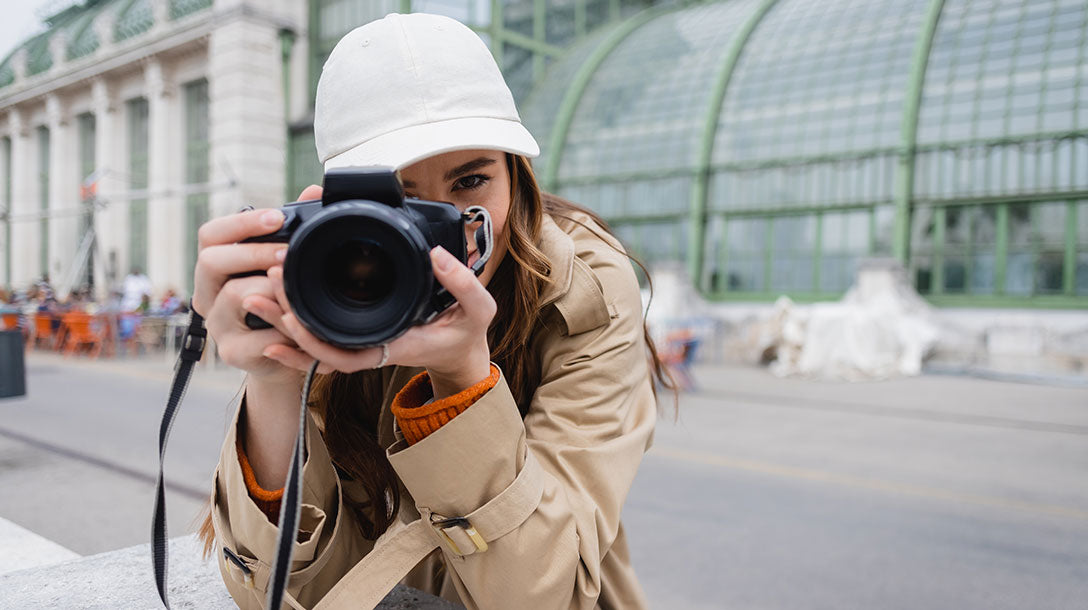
406	87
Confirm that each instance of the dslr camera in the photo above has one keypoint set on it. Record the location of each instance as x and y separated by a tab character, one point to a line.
358	267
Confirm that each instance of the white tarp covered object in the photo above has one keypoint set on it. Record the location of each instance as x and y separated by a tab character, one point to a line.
881	328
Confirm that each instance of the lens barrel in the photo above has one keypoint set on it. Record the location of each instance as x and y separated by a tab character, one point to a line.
357	273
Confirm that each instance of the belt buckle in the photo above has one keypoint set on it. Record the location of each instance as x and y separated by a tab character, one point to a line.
439	523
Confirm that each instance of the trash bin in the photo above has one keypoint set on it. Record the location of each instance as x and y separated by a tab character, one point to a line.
12	368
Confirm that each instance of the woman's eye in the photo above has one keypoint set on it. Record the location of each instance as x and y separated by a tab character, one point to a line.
472	182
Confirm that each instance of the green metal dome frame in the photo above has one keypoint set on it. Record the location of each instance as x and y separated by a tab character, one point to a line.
976	269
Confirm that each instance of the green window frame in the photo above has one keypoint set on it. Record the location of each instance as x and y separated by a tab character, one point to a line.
44	144
197	169
137	111
303	168
1004	253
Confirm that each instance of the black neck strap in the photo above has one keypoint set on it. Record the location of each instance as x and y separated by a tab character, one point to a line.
192	348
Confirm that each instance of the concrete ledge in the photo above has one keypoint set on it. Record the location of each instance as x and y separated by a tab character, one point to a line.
123	579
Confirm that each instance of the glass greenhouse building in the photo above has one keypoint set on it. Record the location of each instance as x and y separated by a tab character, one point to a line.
772	144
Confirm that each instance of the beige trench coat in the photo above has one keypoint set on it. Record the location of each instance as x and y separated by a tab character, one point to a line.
589	424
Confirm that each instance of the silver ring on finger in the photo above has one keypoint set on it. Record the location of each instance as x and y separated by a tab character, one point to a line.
385	357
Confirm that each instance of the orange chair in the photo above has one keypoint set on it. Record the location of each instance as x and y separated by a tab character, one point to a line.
9	321
80	330
43	331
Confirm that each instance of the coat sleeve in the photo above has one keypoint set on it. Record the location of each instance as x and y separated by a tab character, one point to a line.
589	423
329	542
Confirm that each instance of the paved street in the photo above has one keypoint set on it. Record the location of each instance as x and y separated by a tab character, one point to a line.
934	492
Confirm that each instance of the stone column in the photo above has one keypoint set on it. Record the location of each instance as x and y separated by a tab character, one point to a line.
24	229
165	211
63	194
111	218
246	108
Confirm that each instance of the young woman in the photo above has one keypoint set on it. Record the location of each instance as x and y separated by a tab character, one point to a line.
542	367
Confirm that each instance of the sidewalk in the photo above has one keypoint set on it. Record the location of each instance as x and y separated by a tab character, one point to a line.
152	367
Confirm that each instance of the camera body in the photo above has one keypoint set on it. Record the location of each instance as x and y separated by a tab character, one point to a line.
358	269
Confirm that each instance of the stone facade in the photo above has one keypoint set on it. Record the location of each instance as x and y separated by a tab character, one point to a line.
235	46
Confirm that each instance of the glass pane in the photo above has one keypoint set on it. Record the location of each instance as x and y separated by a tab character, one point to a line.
1004	69
746	254
517	16
793	240
1080	275
137	153
983	253
43	199
645	107
338	17
956	247
306	169
196	168
517	67
1049	227
560	22
469	12
846	239
539	110
923	247
837	87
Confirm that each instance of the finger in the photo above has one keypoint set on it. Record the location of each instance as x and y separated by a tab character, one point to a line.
345	360
342	359
463	285
243	349
294	358
267	309
226	314
275	277
311	192
236	227
216	264
224	260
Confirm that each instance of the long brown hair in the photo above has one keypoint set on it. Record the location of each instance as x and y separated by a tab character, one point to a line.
349	404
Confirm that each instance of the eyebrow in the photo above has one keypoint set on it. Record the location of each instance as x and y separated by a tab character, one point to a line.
460	170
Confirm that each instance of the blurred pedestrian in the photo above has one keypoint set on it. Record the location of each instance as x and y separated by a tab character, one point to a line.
135	286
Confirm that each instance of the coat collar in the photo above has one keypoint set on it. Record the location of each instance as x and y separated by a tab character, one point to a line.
558	246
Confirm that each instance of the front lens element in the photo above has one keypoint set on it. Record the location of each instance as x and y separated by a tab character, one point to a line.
360	272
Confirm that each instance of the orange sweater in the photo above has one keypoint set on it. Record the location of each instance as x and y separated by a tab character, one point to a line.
416	419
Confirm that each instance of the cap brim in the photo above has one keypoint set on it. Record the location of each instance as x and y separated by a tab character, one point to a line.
405	146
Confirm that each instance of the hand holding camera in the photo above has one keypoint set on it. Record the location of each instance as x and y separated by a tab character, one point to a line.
363	266
223	299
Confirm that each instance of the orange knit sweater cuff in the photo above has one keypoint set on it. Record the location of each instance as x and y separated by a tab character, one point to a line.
267	501
417	420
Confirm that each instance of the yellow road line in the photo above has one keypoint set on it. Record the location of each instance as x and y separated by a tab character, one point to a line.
822	476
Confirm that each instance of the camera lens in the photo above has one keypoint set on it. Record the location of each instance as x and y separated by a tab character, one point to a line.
360	272
357	273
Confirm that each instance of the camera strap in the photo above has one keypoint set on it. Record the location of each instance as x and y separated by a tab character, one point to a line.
192	348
